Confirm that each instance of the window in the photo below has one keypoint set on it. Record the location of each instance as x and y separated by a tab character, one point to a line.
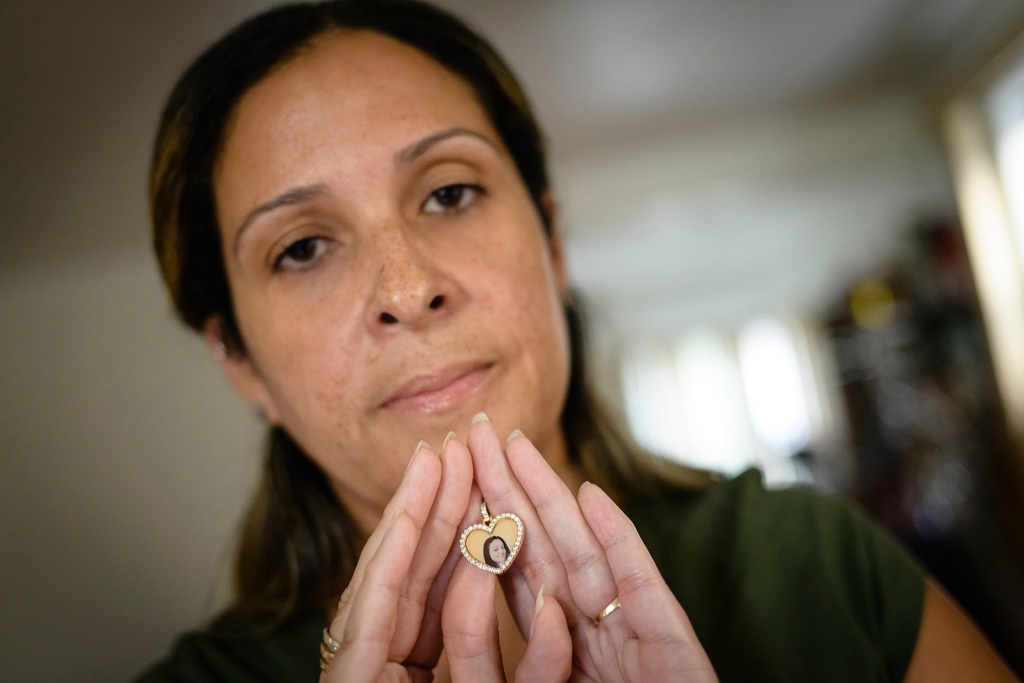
774	387
1005	107
984	127
725	401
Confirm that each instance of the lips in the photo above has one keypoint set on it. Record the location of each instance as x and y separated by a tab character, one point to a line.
441	389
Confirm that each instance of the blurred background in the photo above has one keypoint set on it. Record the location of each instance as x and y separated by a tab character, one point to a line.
799	226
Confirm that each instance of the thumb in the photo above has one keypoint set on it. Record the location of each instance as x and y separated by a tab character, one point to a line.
548	657
469	626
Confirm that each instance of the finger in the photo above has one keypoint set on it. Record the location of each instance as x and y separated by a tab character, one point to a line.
414	497
650	608
415	493
371	623
426	652
538	562
548	656
470	627
419	625
518	596
430	627
590	577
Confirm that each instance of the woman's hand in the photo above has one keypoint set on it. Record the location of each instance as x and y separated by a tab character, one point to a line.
589	553
470	627
388	620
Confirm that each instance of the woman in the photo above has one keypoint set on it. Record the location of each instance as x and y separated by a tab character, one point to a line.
350	202
495	551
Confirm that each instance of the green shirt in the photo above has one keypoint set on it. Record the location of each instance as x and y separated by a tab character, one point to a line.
786	585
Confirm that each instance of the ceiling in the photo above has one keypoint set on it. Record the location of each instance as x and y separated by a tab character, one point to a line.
600	67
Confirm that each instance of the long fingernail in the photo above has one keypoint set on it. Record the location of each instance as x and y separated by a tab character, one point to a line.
513	435
583	486
480	417
421	445
544	590
451	435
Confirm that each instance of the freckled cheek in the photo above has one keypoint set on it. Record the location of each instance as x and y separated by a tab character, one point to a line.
523	297
308	356
521	309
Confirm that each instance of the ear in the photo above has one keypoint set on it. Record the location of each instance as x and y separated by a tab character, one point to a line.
550	208
240	371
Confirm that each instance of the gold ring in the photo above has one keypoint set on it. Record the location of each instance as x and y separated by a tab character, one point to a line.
612	606
330	642
328	646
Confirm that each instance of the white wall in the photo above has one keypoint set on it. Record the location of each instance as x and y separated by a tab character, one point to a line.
764	213
125	460
774	211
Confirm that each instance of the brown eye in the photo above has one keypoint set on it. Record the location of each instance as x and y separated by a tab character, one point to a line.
299	253
451	198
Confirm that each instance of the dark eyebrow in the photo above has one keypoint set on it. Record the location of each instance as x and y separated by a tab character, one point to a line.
418	149
296	195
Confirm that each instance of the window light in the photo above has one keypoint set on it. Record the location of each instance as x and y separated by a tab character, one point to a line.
773	386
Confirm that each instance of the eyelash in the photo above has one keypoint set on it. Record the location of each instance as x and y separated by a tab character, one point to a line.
317	242
474	190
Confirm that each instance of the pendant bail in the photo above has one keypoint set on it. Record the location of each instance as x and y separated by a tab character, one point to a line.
483	511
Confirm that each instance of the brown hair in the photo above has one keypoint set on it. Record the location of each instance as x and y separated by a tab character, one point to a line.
298	545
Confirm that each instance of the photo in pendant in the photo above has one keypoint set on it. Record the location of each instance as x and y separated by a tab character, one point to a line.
485	547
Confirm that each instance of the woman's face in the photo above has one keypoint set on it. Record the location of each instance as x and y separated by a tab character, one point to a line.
496	549
389	271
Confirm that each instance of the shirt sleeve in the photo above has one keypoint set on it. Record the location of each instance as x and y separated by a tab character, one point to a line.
882	583
840	555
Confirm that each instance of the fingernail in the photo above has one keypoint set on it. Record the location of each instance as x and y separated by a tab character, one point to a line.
513	435
422	444
583	486
451	435
544	590
480	417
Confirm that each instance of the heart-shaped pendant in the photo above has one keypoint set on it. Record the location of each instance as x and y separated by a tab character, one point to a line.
493	545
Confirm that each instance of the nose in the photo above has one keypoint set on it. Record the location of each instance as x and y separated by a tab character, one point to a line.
411	289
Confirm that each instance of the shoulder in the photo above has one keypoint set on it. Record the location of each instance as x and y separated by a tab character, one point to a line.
741	521
241	653
795	570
